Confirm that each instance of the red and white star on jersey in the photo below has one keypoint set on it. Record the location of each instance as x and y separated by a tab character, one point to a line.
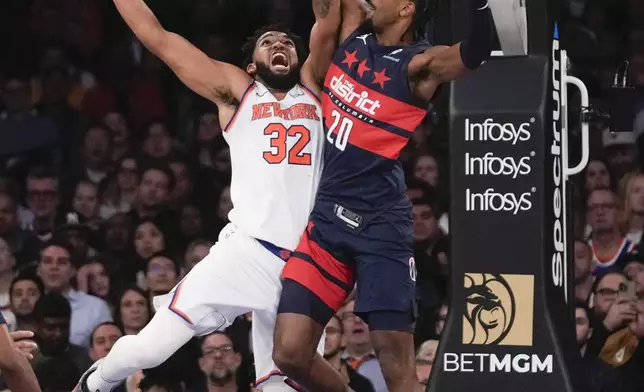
350	58
380	78
362	68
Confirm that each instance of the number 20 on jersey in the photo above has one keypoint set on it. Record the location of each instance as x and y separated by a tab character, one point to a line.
344	125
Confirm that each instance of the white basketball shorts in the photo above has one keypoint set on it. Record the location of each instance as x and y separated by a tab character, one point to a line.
238	276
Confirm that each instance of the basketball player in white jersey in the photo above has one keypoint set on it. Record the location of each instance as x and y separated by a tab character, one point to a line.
271	118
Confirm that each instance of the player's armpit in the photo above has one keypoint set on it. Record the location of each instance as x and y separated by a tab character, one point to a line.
323	41
220	82
436	65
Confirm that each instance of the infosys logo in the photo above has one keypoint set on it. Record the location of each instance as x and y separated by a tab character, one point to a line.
558	262
492	131
351	96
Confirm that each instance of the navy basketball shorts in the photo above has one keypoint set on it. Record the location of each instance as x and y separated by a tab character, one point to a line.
331	258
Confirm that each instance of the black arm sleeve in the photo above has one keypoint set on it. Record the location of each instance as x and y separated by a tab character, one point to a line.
477	47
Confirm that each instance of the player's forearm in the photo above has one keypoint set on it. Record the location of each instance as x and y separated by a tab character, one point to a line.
18	374
325	9
142	21
477	47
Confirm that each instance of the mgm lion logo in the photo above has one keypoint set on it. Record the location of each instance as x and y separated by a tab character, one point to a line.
498	309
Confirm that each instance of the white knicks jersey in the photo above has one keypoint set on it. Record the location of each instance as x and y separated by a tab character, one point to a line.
276	150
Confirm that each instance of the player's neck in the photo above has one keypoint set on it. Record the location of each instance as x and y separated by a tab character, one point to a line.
394	35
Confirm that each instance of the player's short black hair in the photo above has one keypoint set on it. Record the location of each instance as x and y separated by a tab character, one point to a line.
249	46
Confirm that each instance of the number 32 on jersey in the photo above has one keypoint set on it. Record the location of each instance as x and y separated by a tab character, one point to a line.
280	150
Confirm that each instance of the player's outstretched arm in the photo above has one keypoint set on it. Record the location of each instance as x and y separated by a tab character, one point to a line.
442	64
15	368
219	82
323	41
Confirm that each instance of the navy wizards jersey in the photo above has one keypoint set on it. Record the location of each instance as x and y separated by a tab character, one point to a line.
369	115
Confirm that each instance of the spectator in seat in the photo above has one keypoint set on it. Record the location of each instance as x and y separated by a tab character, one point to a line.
604	378
334	344
133	310
103	338
96	154
121	135
76	232
583	271
220	363
43	199
162	274
24	244
24	292
359	351
632	206
56	270
196	251
85	202
158	143
52	315
607	240
154	382
183	182
152	197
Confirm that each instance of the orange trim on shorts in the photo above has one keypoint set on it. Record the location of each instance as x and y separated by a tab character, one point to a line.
173	305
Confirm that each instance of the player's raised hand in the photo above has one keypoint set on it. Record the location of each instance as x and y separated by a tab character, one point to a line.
25	346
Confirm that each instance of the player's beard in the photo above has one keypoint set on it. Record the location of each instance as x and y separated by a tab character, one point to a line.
275	81
221	377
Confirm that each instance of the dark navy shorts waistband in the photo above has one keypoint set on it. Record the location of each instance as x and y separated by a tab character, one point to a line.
282	253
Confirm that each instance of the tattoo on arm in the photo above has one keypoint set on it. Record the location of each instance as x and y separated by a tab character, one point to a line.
321	8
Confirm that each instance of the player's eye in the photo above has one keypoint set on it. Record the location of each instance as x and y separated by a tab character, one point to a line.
266	42
290	43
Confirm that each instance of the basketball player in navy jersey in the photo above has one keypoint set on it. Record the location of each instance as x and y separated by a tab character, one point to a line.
376	93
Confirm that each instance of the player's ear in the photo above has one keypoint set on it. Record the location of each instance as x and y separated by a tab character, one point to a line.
251	69
407	9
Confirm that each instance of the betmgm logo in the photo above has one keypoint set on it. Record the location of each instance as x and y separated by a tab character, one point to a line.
498	311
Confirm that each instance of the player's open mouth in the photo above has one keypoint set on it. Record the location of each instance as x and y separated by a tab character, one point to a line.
279	61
